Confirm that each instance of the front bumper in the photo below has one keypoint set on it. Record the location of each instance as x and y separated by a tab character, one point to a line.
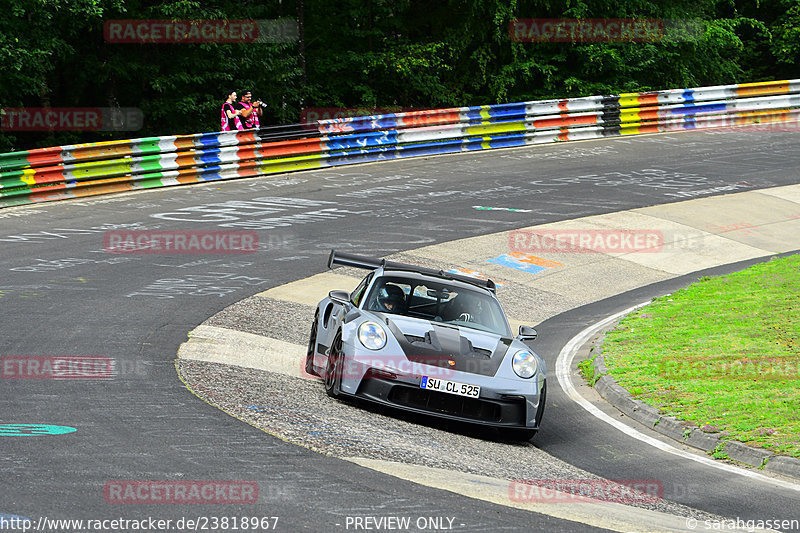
393	380
508	412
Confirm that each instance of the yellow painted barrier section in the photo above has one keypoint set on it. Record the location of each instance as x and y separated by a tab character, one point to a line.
102	168
630	116
629	99
630	129
292	163
764	88
497	127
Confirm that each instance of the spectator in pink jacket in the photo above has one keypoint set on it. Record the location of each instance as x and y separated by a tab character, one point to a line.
251	111
229	116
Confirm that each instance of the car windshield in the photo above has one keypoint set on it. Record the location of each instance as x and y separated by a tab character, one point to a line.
437	301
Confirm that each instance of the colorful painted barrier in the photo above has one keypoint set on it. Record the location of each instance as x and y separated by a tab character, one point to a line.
100	168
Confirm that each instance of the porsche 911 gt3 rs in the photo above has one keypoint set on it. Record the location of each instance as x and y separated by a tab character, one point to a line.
429	342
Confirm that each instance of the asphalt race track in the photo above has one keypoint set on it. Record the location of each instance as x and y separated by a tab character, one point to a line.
62	294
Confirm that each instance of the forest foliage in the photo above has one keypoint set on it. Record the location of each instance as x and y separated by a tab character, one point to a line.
368	54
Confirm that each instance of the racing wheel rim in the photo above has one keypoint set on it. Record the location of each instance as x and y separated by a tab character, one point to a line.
333	370
312	341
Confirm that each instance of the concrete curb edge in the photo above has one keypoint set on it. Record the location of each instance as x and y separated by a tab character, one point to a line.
679	430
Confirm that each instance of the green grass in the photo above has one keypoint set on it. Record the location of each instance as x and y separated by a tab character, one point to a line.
586	369
724	352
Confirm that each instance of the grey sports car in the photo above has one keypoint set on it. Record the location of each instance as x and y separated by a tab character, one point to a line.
430	342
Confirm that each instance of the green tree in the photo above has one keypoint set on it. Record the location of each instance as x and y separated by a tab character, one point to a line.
365	53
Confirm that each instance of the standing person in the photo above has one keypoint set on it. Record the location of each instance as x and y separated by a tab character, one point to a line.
251	111
229	116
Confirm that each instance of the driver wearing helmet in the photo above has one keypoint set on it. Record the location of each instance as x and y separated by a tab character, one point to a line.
466	308
391	299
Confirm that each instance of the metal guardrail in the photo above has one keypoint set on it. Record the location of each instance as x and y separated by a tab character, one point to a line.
98	168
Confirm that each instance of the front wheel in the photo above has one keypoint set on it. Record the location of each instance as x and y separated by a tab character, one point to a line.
333	370
312	346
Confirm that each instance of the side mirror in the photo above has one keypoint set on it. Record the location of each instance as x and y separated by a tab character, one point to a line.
343	298
340	297
527	333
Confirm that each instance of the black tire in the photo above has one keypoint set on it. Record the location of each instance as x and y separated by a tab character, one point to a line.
333	370
312	341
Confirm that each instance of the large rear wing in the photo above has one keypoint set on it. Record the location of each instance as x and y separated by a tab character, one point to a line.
371	263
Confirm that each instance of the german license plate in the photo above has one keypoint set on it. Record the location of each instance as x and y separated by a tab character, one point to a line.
450	387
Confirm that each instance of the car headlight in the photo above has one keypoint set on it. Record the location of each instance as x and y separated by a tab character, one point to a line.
525	364
372	335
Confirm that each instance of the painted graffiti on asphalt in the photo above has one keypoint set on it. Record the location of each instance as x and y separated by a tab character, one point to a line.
253	214
66	233
678	184
410	185
49	265
560	153
210	284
